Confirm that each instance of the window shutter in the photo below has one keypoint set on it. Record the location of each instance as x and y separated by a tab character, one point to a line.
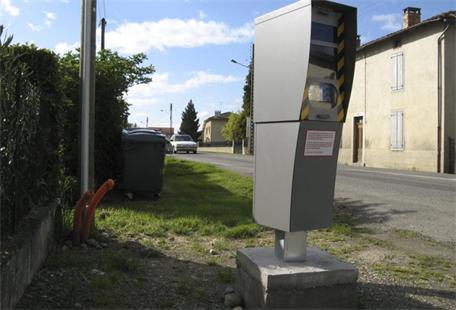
394	72
400	71
393	131
400	129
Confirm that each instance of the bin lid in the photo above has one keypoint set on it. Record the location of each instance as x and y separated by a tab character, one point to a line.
142	135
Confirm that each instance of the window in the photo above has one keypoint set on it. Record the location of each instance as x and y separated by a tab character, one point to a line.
323	32
322	62
397	78
183	138
397	130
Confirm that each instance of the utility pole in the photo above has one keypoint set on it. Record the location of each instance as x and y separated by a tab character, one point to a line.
252	127
87	92
170	118
103	28
147	122
251	73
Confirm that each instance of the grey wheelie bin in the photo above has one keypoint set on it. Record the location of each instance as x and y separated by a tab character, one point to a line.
143	160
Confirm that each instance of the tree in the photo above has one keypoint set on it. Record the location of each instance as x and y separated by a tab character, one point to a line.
239	122
234	130
114	75
246	98
190	121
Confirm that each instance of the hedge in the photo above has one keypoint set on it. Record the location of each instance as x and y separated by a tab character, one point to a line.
30	99
39	96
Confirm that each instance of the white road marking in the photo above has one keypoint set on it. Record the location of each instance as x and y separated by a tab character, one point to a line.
399	174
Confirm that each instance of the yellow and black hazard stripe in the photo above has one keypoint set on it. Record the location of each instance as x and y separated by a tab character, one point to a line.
340	67
305	110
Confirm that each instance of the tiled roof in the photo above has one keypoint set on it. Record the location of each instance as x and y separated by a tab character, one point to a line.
221	116
440	17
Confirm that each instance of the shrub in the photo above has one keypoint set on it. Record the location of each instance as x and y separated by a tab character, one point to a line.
39	97
114	75
30	100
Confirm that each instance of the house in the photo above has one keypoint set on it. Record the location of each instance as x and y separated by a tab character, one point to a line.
212	127
167	131
402	107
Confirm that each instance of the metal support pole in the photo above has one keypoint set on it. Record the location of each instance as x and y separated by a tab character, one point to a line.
252	127
291	246
87	86
170	119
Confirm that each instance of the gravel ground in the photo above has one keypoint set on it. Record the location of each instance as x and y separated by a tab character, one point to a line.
146	279
171	273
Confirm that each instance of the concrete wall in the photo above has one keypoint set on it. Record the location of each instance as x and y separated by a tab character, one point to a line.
217	149
213	130
27	250
374	100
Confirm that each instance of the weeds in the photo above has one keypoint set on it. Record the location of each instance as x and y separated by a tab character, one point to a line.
225	275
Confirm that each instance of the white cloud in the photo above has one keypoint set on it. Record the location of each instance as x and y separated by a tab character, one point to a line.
390	22
33	27
63	47
168	33
201	14
65	1
142	102
138	114
151	94
6	6
161	84
49	15
203	115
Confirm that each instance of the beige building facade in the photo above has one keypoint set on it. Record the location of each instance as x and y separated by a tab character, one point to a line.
212	127
402	107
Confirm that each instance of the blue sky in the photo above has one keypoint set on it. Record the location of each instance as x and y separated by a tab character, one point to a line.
190	42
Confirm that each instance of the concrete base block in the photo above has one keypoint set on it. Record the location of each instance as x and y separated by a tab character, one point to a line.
322	281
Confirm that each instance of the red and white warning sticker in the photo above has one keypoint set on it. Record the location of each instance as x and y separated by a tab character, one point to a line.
319	143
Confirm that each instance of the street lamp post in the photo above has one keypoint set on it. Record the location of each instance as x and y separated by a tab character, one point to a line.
238	63
250	142
170	118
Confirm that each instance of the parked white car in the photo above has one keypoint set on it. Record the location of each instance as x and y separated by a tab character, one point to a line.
183	143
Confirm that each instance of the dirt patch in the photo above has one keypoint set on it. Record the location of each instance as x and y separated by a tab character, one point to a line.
371	256
127	274
182	272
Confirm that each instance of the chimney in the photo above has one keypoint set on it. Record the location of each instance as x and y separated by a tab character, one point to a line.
412	16
358	41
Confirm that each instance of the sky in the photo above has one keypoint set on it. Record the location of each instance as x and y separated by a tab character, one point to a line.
189	42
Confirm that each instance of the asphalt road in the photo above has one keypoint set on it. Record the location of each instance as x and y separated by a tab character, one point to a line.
416	201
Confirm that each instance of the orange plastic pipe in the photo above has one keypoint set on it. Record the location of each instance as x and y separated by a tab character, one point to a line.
78	216
90	212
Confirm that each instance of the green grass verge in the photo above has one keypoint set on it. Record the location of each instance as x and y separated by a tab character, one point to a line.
197	199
